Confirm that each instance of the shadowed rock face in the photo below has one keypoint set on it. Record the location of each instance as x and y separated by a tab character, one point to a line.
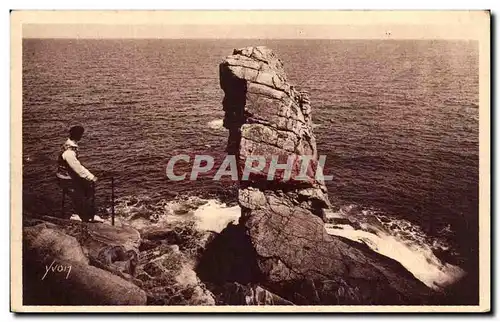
283	219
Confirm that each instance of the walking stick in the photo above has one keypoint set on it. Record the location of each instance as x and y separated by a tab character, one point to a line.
93	201
112	201
93	185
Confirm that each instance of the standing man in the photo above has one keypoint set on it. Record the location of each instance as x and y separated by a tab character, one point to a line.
74	177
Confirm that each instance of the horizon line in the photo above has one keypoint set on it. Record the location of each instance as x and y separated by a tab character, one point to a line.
243	38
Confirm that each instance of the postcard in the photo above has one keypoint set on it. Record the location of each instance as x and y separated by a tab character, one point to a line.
250	161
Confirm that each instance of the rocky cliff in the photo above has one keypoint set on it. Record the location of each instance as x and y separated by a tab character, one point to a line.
281	242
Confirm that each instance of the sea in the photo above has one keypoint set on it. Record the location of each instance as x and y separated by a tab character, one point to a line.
396	119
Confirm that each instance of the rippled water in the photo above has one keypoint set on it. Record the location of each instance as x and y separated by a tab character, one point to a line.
398	121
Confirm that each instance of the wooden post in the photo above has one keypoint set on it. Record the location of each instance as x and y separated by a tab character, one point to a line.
93	201
112	201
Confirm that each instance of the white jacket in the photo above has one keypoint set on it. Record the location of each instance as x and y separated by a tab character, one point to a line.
69	164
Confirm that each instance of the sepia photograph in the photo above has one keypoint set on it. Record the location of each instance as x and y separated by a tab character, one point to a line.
250	161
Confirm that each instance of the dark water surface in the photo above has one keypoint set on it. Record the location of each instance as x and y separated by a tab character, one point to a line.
398	120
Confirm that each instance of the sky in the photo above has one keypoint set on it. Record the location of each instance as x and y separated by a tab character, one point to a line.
255	24
237	31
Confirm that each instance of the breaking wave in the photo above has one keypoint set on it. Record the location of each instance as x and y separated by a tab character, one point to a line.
216	124
402	241
208	214
395	238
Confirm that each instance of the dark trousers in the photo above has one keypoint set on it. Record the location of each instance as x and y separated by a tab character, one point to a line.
81	193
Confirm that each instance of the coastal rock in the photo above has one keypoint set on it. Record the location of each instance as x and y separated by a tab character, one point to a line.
84	285
282	241
113	265
107	247
57	270
238	294
167	264
49	243
169	279
184	234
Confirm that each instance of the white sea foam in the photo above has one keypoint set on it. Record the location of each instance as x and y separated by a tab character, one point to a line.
210	215
400	240
416	258
216	124
215	216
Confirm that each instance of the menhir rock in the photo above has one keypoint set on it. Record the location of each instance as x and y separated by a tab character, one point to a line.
285	246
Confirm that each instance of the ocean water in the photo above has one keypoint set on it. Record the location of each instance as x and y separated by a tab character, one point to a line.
397	120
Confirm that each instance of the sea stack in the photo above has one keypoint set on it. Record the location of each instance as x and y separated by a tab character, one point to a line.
284	245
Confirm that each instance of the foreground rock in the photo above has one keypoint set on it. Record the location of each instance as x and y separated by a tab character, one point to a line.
73	263
237	294
57	267
280	242
166	266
